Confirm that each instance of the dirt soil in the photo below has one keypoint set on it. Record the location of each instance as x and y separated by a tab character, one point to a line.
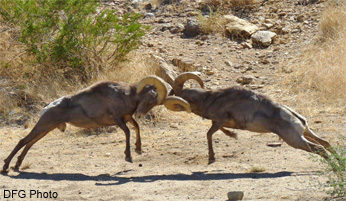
90	165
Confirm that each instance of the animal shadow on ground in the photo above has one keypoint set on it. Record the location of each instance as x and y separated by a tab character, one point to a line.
119	180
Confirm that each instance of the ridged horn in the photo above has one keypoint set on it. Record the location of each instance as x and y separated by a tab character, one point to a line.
176	103
182	78
158	83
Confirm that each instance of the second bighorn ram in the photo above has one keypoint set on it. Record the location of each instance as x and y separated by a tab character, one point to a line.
102	104
239	108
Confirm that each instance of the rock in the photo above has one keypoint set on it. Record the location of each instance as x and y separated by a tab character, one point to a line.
253	87
268	25
235	195
239	28
281	14
185	64
300	18
108	154
177	28
192	28
149	15
263	38
228	63
163	70
274	144
148	6
171	1
210	72
246	45
245	79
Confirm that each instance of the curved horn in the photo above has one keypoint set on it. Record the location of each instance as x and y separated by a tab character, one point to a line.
158	83
176	103
182	78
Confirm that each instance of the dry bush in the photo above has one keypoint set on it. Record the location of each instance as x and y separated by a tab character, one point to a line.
256	169
137	66
333	23
321	76
213	23
230	3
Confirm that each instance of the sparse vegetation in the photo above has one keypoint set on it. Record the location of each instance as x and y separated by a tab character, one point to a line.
322	71
212	23
230	3
336	173
76	34
212	19
178	139
256	169
51	44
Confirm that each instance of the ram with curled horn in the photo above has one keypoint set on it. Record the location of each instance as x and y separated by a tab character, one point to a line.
102	104
238	108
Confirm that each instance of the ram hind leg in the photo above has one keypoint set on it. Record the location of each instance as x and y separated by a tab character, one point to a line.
312	137
40	130
231	134
292	134
19	145
47	122
27	147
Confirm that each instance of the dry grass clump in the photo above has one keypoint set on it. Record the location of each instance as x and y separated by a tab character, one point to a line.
230	3
257	169
137	66
322	73
333	23
212	23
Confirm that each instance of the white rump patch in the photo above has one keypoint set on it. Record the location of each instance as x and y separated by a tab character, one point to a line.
288	116
50	105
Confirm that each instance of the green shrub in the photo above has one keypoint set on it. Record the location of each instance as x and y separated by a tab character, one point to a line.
336	173
74	33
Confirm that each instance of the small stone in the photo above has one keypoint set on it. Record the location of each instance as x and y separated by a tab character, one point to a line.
300	18
245	79
263	38
228	63
235	195
149	15
209	72
246	45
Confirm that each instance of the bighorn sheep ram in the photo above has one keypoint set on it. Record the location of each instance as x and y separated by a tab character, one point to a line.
102	104
239	108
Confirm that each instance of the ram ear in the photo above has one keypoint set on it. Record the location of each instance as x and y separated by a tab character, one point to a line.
176	103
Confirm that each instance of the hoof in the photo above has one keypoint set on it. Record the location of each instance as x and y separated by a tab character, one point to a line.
235	136
16	169
211	161
4	172
128	159
138	151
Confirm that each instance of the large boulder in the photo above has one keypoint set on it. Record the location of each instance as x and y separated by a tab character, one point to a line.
263	38
192	28
163	70
239	28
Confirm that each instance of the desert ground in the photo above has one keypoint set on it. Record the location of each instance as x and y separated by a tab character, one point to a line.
89	164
